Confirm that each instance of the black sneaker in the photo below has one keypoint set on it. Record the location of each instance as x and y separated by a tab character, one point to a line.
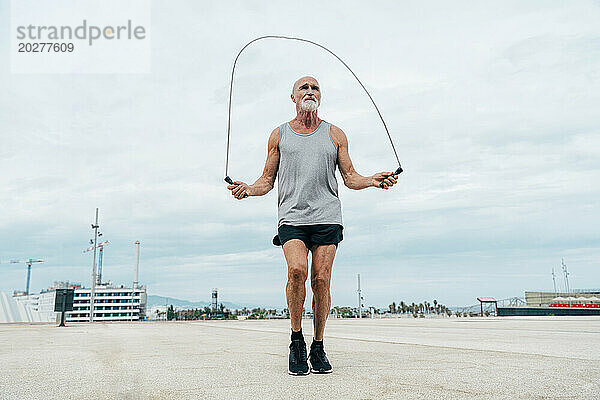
297	363
319	364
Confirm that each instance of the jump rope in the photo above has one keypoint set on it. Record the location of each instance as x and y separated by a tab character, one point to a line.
227	178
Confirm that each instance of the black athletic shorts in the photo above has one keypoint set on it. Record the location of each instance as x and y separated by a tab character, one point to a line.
311	235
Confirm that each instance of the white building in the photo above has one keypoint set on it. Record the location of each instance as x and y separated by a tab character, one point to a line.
158	313
110	304
12	311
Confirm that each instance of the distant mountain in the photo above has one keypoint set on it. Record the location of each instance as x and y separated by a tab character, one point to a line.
154	300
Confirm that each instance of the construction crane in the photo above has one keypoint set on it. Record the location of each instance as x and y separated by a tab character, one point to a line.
28	262
100	247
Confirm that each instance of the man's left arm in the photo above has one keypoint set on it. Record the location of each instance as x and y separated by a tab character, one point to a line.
353	179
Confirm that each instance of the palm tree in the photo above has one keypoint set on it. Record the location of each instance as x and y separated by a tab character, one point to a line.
392	307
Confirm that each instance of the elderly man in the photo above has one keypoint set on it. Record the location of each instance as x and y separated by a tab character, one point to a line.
303	154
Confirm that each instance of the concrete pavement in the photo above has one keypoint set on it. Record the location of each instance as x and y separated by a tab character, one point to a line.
445	358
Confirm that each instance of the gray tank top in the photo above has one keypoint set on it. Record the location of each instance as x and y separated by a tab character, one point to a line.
308	191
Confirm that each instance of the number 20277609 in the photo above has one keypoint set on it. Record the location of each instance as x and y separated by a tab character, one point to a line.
46	47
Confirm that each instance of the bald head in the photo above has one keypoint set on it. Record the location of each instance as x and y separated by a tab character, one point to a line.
306	93
304	79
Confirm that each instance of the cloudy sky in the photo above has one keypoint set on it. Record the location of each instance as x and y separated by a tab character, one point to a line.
493	107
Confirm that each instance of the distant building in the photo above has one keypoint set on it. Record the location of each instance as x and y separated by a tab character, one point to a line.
12	311
157	313
111	303
545	299
65	285
575	302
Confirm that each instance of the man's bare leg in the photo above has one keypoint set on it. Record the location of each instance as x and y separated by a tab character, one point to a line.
320	278
296	256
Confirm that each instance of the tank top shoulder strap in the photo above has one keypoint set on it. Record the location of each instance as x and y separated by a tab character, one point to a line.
282	129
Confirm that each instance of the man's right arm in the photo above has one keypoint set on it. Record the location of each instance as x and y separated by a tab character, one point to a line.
265	183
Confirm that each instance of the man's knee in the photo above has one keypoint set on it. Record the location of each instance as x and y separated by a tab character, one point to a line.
320	283
297	273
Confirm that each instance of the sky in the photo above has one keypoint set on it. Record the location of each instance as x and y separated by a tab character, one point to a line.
492	106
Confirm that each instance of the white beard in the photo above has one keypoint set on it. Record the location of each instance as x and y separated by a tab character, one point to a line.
308	105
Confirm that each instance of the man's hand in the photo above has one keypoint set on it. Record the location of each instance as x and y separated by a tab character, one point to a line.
387	178
239	190
264	184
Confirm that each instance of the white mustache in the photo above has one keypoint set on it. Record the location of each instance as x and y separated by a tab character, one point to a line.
312	106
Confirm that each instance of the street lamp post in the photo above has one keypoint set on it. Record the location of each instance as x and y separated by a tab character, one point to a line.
95	226
359	299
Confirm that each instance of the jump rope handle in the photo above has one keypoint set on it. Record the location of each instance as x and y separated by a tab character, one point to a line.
396	173
230	181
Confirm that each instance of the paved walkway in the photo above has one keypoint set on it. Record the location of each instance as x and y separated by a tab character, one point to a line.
458	358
